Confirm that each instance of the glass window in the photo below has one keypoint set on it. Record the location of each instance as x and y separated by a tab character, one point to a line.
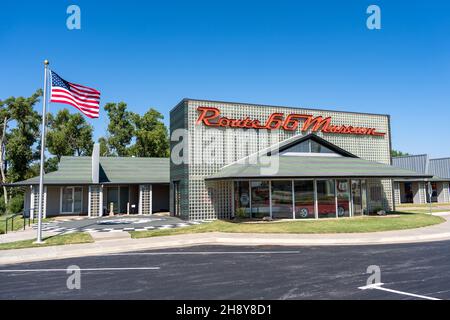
307	146
66	200
123	199
343	198
304	199
406	192
356	197
364	197
77	199
326	199
282	199
318	148
260	199
242	199
72	199
301	147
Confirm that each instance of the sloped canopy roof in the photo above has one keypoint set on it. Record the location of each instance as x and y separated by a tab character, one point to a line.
314	167
113	170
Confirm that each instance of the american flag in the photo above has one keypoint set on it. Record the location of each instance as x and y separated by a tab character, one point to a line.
85	99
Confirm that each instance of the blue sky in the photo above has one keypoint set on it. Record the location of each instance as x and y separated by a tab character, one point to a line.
296	53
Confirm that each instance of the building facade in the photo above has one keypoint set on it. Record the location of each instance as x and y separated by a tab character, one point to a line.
420	191
98	186
211	140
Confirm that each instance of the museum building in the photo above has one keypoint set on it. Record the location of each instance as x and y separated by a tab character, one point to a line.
237	159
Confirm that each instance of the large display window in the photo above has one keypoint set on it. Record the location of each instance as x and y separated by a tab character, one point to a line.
260	199
282	199
343	198
304	199
326	199
300	199
242	199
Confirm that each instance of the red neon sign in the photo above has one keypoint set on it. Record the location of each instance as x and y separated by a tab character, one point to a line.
211	117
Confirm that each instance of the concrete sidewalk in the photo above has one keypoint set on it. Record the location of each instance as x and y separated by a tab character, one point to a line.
27	234
114	245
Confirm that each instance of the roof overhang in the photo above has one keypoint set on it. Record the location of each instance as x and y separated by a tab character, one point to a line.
314	167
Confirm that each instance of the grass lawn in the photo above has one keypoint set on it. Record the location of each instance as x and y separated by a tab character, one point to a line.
395	221
69	238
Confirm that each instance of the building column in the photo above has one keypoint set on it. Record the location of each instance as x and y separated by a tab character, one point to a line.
446	187
442	192
95	201
145	199
420	192
397	195
34	202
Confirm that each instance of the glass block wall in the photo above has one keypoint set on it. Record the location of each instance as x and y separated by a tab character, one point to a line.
95	201
34	202
145	199
202	199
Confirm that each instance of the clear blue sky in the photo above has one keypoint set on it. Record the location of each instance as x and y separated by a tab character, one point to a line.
301	53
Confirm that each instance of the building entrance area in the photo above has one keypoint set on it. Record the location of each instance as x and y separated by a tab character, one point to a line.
121	199
300	199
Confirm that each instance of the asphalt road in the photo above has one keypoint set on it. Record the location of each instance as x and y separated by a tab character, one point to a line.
218	272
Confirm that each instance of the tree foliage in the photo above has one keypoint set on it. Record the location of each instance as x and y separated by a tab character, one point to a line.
151	135
19	131
18	146
69	134
396	153
130	134
120	128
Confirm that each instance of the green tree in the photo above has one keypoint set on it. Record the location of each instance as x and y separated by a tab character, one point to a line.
19	125
151	135
68	135
396	153
120	128
18	142
104	148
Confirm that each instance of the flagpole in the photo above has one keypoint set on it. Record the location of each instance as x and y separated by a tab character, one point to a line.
41	175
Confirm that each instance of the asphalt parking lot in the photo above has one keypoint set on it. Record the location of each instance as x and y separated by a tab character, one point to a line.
226	272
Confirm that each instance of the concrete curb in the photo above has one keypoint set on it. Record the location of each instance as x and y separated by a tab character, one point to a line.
438	232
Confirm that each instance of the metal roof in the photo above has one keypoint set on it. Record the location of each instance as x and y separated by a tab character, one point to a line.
440	167
314	167
418	163
113	170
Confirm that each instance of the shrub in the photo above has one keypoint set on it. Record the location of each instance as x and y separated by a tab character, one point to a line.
2	205
240	213
15	204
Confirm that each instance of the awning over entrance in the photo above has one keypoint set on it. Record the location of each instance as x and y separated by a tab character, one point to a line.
312	167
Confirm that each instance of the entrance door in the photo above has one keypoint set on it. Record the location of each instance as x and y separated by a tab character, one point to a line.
119	197
71	200
357	204
113	197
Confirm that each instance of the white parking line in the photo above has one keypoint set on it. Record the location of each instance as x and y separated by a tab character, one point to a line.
81	269
200	253
378	286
